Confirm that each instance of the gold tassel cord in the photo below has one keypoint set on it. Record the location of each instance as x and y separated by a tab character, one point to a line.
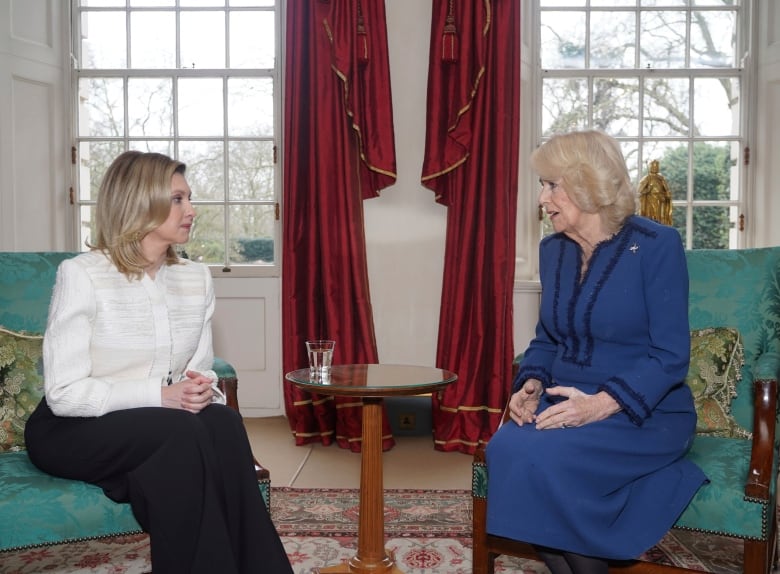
362	38
449	38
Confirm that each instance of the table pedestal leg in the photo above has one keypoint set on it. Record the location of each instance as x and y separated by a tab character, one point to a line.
371	557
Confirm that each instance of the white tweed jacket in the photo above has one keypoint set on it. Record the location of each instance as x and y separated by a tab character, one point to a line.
111	342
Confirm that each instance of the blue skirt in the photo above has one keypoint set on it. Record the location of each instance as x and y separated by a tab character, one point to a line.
608	489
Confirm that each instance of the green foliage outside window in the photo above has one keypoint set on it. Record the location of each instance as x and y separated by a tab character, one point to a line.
711	169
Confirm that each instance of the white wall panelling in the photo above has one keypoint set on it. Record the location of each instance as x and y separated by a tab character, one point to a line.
246	328
33	156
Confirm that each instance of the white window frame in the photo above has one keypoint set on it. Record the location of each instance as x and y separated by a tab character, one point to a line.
234	270
529	225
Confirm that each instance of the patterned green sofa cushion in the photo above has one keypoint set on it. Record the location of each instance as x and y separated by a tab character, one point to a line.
739	289
720	505
38	508
716	364
26	282
21	385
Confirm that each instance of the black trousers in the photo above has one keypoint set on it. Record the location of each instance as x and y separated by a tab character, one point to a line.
189	479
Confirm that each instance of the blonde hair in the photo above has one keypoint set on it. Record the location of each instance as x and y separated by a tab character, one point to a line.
134	199
591	167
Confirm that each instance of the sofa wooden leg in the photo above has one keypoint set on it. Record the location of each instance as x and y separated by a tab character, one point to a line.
481	560
757	557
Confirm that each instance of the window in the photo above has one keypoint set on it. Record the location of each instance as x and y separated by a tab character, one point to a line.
666	78
197	80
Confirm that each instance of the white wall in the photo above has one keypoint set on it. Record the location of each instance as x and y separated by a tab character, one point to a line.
405	227
766	151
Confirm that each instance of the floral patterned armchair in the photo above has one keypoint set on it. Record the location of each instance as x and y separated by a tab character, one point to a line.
734	314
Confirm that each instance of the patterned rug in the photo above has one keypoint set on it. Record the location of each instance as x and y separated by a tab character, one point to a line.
428	532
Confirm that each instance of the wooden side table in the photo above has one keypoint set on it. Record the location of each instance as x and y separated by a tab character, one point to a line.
372	383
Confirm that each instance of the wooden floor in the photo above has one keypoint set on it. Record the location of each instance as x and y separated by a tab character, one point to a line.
411	463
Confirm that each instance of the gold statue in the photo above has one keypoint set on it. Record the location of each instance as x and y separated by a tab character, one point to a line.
655	199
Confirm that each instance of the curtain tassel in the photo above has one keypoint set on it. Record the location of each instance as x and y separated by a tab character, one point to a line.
362	39
449	41
362	45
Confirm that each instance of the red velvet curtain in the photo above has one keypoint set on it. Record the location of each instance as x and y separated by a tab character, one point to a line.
471	163
339	149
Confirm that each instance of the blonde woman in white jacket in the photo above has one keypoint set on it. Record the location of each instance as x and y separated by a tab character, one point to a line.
130	402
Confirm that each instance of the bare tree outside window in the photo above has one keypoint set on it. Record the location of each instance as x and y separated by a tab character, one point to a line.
665	78
211	100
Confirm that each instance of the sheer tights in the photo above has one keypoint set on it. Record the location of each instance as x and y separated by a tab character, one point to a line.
560	562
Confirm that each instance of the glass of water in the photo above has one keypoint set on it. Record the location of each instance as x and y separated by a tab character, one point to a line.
320	353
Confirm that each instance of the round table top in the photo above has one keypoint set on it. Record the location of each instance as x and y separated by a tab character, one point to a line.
374	380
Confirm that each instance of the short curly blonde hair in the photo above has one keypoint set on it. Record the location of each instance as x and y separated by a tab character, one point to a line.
134	199
591	167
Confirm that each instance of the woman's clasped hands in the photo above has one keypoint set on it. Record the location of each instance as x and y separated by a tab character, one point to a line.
192	394
523	404
578	409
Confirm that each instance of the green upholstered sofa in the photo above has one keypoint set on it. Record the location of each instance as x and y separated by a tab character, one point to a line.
35	508
731	292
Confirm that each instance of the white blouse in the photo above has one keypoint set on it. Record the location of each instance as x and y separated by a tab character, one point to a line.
111	342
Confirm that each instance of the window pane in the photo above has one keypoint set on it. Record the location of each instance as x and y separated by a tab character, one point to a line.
565	105
251	238
164	147
712	171
716	2
102	3
150	107
201	3
563	40
609	3
101	107
94	159
86	225
252	170
252	40
615	105
200	107
203	40
630	151
251	2
152	3
252	233
561	3
680	219
716	107
103	40
612	39
250	107
205	168
207	240
713	39
666	103
664	2
152	40
662	39
711	226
